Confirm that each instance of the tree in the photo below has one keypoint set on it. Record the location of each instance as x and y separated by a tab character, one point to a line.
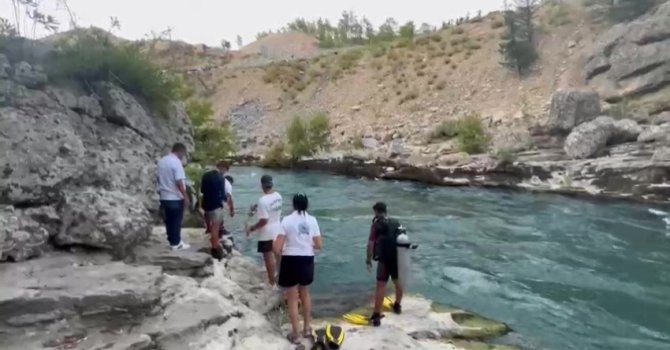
213	141
369	30
225	45
518	52
114	24
387	31
407	31
239	42
7	29
525	11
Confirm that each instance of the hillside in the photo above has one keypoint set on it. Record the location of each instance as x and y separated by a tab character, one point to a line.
385	90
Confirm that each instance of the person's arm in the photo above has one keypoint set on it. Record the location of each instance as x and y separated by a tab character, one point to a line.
280	240
180	178
371	245
316	238
229	198
263	216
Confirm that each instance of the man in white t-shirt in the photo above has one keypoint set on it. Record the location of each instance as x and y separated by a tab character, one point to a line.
173	196
268	226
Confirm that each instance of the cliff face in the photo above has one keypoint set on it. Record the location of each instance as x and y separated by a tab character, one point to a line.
77	168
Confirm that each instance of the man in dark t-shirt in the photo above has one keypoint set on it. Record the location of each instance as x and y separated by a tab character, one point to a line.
212	188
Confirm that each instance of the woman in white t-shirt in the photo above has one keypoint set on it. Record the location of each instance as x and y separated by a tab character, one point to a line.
296	243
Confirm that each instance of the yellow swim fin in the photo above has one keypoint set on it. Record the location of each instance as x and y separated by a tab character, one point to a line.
388	304
357	319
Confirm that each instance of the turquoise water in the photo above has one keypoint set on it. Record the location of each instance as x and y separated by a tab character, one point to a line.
563	273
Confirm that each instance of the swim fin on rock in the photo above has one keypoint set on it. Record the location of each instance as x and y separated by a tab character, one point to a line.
357	319
388	304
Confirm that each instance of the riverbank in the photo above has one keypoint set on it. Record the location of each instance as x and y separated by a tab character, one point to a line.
158	298
631	171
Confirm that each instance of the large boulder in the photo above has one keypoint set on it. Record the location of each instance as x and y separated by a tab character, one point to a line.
588	139
39	154
104	219
570	108
633	59
122	109
625	130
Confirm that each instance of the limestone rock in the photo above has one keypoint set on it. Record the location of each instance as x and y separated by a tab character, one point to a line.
633	59
21	237
122	109
397	149
64	97
625	130
513	139
370	143
661	155
52	290
29	76
570	108
453	159
655	133
587	139
191	263
662	118
104	219
39	153
89	105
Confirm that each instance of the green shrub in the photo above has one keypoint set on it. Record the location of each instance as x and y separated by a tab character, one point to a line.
348	59
306	139
276	156
472	137
458	30
91	57
213	140
445	131
436	38
506	156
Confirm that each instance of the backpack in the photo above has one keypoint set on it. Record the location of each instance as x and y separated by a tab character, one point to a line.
387	230
328	338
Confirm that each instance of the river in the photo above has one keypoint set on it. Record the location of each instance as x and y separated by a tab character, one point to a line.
563	273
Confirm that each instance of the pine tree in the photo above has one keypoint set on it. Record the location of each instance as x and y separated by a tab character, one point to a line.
517	50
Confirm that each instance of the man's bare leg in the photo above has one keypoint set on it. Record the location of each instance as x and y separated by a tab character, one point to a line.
269	258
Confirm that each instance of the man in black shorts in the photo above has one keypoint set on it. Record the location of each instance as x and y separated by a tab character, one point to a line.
382	248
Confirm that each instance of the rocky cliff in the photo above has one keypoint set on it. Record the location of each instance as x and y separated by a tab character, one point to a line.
77	166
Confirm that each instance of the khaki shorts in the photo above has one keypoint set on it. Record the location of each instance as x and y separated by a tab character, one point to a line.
214	215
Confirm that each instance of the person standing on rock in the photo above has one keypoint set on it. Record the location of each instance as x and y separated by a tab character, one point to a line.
172	192
213	190
382	248
296	243
268	211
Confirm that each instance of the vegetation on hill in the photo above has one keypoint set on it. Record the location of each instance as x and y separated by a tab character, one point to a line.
352	30
468	131
303	139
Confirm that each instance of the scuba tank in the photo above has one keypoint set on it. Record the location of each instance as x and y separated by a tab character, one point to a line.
404	248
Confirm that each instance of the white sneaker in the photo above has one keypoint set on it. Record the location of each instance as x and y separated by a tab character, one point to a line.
181	246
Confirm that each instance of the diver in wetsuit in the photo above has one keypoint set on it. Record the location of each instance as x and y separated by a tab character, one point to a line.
382	248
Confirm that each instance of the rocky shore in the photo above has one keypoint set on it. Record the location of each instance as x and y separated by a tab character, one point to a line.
160	299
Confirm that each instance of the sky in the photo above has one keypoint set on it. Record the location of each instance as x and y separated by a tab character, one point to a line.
210	21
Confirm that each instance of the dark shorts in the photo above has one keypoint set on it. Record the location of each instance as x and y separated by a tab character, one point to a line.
264	246
296	270
386	269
